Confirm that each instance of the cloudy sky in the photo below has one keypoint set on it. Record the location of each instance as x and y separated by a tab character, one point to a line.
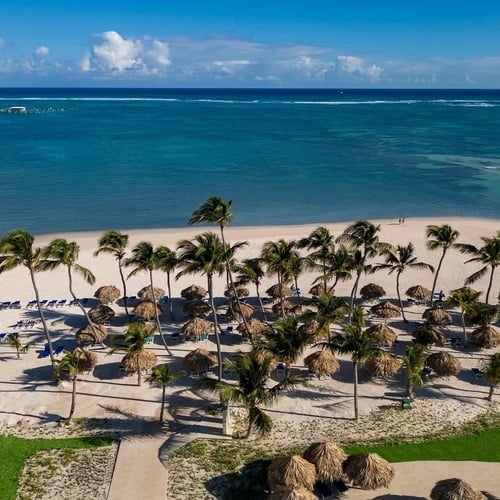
250	43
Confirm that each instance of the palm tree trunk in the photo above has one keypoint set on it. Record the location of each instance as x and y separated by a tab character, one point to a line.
297	290
490	393
409	387
462	317
399	298
42	317
139	371
169	288
490	284
124	284
354	290
436	276
162	411
282	301
356	413
73	399
216	324
260	299
157	316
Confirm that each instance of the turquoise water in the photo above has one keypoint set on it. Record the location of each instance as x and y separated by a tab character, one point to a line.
96	159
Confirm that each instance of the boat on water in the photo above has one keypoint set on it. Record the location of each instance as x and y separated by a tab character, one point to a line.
16	109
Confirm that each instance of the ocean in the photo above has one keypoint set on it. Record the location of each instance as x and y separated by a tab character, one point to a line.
99	159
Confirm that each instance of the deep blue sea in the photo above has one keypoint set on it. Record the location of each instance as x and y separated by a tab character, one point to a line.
98	159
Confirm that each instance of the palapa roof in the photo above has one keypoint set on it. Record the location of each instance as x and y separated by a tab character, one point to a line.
255	327
107	294
233	313
455	489
443	364
196	307
319	289
287	306
431	332
145	293
197	326
383	364
241	291
296	494
385	310
199	360
193	292
147	361
437	316
146	309
372	291
274	291
486	336
369	471
87	336
381	334
86	359
310	328
419	292
100	314
290	473
328	459
322	363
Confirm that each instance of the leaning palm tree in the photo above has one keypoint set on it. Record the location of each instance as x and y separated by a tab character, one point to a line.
61	252
69	365
115	243
413	364
251	271
327	310
146	259
465	298
252	388
443	237
491	372
167	262
160	375
16	249
398	260
340	264
488	255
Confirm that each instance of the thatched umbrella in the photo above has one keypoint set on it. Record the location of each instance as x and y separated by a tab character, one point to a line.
146	309
322	363
195	307
386	310
486	336
436	316
381	334
87	360
147	360
233	313
86	334
296	494
443	363
101	314
372	291
369	471
320	289
241	291
199	360
455	489
429	334
150	327
419	292
310	328
196	326
383	364
274	291
193	292
287	306
107	294
290	473
252	328
328	459
145	293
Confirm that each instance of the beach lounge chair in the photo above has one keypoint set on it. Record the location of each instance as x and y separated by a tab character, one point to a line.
61	303
30	304
46	352
15	305
204	336
426	372
229	329
3	336
477	374
150	339
280	369
59	350
52	303
4	305
44	302
175	337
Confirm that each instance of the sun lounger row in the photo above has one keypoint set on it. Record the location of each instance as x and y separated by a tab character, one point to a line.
55	303
16	304
27	323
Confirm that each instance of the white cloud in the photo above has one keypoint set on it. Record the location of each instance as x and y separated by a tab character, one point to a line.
356	66
42	52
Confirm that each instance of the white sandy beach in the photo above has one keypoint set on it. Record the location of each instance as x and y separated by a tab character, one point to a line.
29	399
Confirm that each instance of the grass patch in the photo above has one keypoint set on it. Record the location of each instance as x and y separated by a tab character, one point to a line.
14	451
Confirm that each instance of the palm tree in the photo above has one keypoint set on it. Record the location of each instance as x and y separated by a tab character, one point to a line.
488	254
16	343
491	372
285	341
69	365
115	243
398	260
146	259
167	262
60	252
277	255
443	237
160	375
339	266
251	271
328	310
133	343
465	298
363	236
16	249
252	390
413	363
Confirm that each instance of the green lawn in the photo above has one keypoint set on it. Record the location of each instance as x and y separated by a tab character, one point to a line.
14	451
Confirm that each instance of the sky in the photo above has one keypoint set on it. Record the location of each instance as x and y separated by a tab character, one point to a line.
251	43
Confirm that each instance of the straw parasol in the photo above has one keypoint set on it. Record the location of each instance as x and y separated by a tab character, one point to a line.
195	307
369	471
443	363
429	334
146	309
320	289
87	336
436	316
287	306
233	313
419	292
296	494
291	472
150	327
145	293
255	327
486	336
101	314
193	292
107	294
455	489
372	291
274	291
196	326
241	291
86	359
147	360
199	360
383	364
322	363
328	459
310	328
381	334
385	310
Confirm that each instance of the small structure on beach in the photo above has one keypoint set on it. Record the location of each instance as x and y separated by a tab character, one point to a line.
143	359
252	328
322	363
241	291
385	310
437	316
486	336
455	489
199	361
383	364
291	473
196	327
145	293
320	289
368	471
276	292
328	459
101	314
195	308
419	292
107	294
147	309
193	292
372	291
381	334
95	334
443	364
